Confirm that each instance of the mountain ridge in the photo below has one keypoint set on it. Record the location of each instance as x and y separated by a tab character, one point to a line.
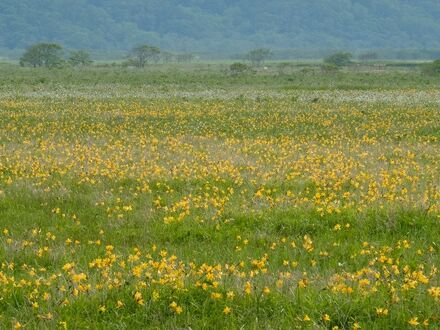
223	25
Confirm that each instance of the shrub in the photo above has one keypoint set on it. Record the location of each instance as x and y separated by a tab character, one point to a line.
432	68
329	68
339	59
238	68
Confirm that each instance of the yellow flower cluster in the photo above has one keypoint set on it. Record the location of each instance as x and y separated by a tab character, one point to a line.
164	204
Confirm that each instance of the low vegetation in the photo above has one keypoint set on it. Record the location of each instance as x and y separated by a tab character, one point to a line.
433	68
288	198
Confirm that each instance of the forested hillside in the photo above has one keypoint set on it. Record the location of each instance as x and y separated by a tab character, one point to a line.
221	25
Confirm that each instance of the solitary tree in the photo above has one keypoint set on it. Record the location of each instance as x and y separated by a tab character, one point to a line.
259	55
141	55
42	54
79	58
339	59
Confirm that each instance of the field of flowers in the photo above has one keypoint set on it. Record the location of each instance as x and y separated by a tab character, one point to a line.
188	211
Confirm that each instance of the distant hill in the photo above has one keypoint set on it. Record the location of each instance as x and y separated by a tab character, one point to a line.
221	25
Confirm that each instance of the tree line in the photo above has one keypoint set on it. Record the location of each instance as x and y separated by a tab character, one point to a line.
52	55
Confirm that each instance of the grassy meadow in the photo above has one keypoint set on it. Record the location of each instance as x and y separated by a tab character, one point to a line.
187	198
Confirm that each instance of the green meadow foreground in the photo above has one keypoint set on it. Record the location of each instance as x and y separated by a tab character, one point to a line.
262	206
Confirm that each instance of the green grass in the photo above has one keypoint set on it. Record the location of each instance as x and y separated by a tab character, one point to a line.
298	194
294	76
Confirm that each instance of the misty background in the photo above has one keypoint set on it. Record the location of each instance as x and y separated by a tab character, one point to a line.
406	29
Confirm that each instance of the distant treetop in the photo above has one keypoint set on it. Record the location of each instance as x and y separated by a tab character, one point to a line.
42	54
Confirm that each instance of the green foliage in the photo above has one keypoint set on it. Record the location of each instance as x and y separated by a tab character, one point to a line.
339	59
80	58
221	26
238	68
300	76
259	55
329	68
139	56
42	54
432	68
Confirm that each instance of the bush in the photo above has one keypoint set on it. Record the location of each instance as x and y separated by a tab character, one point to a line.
329	68
259	55
432	68
339	59
238	68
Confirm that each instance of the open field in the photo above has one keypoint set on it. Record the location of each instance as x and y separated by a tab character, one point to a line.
133	200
